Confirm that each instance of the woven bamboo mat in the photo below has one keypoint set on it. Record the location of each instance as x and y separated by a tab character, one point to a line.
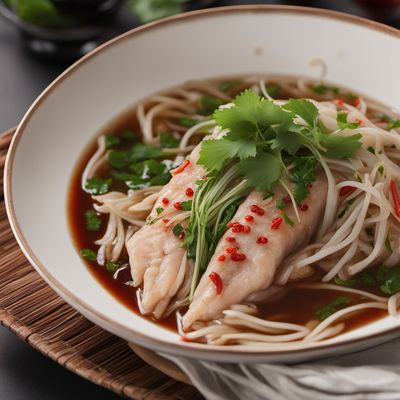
32	310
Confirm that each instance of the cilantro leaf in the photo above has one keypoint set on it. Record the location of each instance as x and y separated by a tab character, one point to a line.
186	205
188	122
118	159
250	115
177	229
141	151
214	153
340	146
304	109
111	266
389	277
342	121
160	180
159	210
111	141
98	185
209	104
148	168
88	254
272	89
330	308
261	171
228	85
394	124
168	141
93	221
303	174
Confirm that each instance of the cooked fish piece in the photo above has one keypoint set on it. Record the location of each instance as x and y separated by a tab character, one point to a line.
155	253
250	252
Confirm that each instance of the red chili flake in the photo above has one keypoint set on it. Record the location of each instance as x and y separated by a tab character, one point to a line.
165	201
221	258
165	220
237	227
359	121
189	192
309	185
303	207
238	256
262	240
230	239
185	339
217	281
276	222
356	102
178	205
339	102
246	229
181	236
229	224
395	195
181	167
346	190
231	250
287	200
256	209
249	218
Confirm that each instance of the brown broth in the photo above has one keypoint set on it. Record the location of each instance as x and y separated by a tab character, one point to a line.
296	306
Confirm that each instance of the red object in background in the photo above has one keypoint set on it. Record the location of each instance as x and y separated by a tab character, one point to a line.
386	11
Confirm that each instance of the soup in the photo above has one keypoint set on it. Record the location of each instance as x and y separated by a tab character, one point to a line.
249	210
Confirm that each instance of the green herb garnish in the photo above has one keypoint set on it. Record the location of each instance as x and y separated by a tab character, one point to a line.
186	205
88	254
159	210
93	221
177	229
111	266
111	141
188	122
329	309
209	104
168	141
394	124
98	186
228	85
342	121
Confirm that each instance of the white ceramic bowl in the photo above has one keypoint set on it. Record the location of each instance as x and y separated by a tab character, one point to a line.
359	54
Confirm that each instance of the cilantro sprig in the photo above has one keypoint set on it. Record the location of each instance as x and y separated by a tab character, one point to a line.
261	134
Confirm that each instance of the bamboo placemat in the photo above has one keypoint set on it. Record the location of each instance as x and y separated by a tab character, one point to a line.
33	311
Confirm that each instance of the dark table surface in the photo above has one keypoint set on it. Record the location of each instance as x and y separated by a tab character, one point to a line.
24	373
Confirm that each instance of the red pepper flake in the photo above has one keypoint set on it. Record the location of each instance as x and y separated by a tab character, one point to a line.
276	222
221	258
165	220
395	195
256	209
262	240
346	190
230	239
238	256
165	201
181	168
359	121
231	250
217	281
303	207
189	192
287	200
249	218
181	236
185	339
339	102
356	102
229	224
246	229
309	185
237	227
178	205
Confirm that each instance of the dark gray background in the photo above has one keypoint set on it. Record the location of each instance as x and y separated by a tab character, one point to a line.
24	373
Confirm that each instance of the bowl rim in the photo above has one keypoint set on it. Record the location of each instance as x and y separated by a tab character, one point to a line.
80	304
